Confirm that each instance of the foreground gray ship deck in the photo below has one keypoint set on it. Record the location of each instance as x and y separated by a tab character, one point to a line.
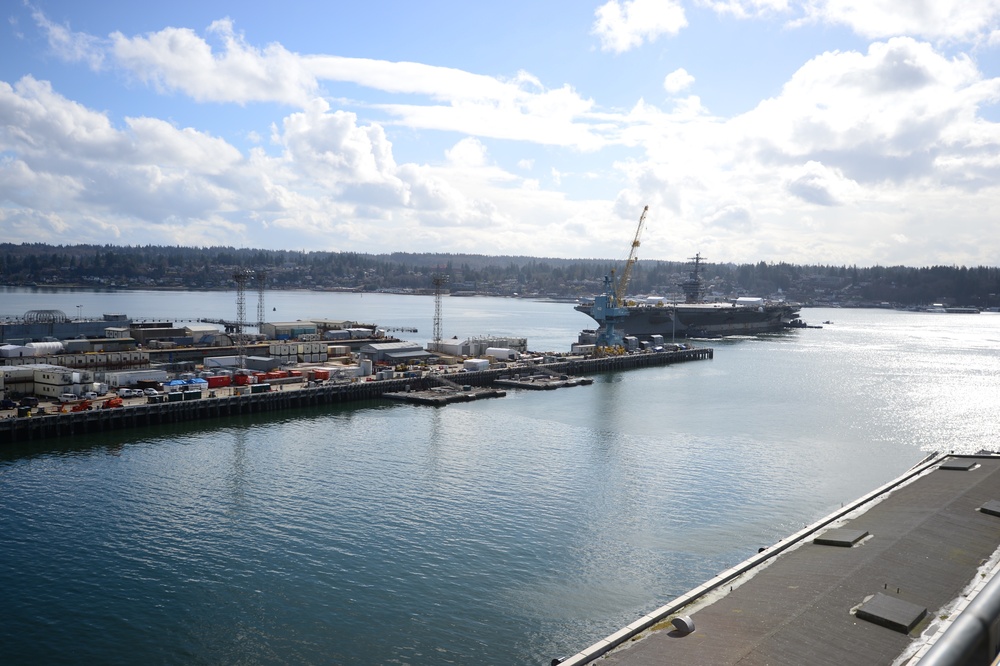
877	583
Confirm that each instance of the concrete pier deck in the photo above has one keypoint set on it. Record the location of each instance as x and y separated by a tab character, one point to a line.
875	583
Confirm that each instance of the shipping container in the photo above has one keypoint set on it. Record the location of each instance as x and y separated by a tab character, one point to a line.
218	381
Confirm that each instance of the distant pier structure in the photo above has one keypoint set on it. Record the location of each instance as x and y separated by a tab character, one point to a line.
39	325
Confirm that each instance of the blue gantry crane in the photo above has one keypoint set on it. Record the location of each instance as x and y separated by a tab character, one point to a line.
610	309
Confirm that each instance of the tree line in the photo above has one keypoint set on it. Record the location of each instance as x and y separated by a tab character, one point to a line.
213	268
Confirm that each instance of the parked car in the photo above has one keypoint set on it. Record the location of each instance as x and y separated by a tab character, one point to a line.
7	403
150	391
67	397
90	395
29	401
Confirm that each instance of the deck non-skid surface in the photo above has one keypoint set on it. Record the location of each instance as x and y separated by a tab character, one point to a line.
927	541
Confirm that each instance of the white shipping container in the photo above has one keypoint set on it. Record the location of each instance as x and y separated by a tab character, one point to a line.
130	377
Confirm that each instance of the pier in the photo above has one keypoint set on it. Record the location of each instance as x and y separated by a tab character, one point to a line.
132	416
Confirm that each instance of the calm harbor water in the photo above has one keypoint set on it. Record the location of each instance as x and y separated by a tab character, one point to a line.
505	531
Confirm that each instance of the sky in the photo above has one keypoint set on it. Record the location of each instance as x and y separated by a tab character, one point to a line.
831	132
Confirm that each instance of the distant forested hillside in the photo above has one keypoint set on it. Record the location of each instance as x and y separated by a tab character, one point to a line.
107	266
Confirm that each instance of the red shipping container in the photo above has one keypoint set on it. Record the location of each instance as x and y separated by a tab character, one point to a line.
219	381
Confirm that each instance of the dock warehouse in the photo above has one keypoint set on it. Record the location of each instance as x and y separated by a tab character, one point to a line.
287	330
393	352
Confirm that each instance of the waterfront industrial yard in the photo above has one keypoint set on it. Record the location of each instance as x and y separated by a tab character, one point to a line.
56	420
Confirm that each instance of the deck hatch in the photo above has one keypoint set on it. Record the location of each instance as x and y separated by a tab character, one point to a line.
958	465
992	507
841	537
892	613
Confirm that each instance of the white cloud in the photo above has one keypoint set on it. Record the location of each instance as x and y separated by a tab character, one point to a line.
746	8
818	184
880	115
178	59
468	152
69	45
958	21
677	80
876	145
881	144
946	20
70	161
736	217
625	25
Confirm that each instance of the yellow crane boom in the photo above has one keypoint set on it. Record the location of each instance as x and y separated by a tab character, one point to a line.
632	258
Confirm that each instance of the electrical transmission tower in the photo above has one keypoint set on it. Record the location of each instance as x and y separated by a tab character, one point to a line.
439	280
241	277
260	279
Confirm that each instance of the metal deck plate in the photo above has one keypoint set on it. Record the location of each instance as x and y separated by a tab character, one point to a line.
959	465
891	612
992	507
840	537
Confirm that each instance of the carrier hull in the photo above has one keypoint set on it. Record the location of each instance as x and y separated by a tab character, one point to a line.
703	319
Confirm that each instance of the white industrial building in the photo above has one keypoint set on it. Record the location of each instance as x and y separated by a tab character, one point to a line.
393	352
45	380
480	346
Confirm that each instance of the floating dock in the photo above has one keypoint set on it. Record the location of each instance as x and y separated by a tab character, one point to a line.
542	382
137	415
444	395
904	575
